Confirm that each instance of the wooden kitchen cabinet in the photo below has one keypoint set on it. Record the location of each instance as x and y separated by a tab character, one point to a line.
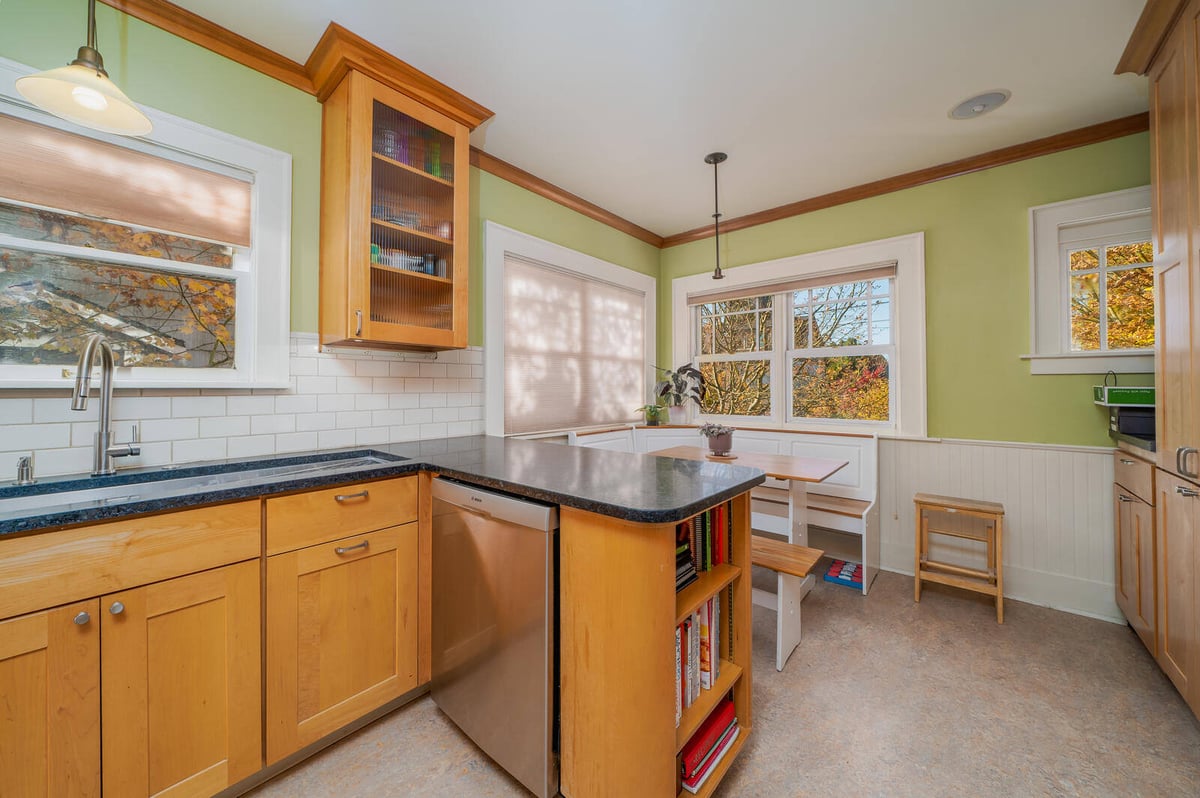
394	200
180	684
341	630
170	670
1135	566
1178	620
50	702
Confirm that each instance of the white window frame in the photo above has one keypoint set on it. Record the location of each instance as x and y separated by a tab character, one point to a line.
263	279
1059	227
499	241
906	373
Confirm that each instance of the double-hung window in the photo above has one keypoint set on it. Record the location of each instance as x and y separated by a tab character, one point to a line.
174	248
833	339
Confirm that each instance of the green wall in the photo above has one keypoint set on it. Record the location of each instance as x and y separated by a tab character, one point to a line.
976	286
495	199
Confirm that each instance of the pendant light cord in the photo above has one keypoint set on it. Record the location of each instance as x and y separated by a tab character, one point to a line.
716	158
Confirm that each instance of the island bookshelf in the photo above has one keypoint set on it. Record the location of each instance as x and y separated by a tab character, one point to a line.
618	614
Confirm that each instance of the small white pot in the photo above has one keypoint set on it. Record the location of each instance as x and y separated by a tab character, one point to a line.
677	414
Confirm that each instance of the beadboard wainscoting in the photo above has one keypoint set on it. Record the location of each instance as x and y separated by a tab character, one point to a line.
336	399
1058	524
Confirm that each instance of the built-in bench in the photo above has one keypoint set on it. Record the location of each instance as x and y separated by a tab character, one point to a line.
842	512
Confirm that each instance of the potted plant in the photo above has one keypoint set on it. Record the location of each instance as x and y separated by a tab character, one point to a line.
652	413
678	386
720	438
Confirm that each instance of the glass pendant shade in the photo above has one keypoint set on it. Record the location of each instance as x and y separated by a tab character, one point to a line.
84	95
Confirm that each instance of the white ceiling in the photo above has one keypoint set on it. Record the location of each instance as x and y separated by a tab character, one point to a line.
619	101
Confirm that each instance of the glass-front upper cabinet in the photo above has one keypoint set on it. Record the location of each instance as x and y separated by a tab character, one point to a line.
394	226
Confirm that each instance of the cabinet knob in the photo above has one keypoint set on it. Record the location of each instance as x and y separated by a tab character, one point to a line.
82	619
117	608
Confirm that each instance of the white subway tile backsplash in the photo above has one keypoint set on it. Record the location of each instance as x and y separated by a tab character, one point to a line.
266	425
337	399
333	402
335	438
228	427
353	418
296	441
21	437
198	449
173	429
251	445
251	405
370	436
198	406
296	403
17	411
313	422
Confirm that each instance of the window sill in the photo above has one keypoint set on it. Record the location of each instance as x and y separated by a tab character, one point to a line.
1091	363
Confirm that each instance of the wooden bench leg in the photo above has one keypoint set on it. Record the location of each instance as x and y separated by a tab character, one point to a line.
999	570
919	544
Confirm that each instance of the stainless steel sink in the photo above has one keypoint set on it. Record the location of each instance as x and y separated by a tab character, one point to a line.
84	498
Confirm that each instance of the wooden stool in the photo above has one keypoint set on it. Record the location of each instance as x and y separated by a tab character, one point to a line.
989	581
791	564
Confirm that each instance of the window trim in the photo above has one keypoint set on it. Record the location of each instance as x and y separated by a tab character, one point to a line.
1125	214
499	240
909	382
263	340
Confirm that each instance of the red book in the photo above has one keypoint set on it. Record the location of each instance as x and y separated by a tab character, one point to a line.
707	735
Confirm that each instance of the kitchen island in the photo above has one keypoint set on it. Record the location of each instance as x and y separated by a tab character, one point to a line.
618	604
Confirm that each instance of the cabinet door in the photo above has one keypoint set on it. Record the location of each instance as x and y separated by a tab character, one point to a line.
181	684
395	219
50	703
1173	150
1176	505
1143	615
341	634
1126	572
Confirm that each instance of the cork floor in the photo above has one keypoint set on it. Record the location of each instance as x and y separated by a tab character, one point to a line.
883	697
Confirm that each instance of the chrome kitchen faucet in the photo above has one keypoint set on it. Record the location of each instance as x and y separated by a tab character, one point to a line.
104	452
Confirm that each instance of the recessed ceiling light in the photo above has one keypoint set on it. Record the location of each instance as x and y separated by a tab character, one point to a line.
980	104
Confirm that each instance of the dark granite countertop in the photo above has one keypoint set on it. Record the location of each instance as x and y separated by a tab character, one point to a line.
633	487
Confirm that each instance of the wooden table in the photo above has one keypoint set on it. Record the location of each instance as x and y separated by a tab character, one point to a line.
799	472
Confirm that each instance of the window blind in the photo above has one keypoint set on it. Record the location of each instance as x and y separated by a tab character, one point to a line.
574	349
44	166
872	272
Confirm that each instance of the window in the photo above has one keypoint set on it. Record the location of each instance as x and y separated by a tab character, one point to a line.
569	337
834	338
1093	285
174	248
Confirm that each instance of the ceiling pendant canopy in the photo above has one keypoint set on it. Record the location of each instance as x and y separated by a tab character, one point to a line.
82	92
715	158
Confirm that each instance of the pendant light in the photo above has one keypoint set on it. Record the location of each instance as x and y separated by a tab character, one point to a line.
81	92
715	158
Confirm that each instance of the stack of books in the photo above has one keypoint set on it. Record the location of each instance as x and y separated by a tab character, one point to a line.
702	753
697	654
700	543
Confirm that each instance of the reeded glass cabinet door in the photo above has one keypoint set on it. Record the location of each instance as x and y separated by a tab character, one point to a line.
395	206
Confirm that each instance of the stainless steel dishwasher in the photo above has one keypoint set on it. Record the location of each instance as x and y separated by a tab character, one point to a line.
495	624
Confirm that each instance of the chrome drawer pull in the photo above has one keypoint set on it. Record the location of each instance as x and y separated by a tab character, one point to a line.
1126	462
117	608
1182	491
348	549
82	619
341	497
1181	458
1122	497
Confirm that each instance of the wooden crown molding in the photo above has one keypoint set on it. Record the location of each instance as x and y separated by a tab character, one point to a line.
1156	21
1092	134
222	41
513	174
339	51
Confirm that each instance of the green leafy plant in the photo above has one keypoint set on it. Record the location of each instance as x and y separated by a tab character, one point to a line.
680	385
653	413
712	430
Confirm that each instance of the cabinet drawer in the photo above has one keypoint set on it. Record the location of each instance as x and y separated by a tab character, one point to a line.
1134	474
319	516
54	568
